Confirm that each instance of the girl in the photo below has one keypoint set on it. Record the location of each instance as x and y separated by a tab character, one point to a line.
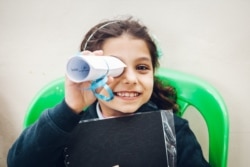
136	90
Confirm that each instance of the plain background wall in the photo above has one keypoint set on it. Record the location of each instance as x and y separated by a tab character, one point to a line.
209	39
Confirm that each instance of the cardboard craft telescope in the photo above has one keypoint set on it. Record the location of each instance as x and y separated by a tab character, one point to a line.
87	68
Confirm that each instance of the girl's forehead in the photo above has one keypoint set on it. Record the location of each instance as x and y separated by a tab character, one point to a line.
125	43
127	48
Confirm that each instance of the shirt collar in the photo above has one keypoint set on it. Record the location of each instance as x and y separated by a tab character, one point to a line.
98	110
149	106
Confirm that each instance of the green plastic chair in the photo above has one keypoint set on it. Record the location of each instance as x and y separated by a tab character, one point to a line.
191	91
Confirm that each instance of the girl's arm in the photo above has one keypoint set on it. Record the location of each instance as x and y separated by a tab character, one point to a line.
42	143
189	152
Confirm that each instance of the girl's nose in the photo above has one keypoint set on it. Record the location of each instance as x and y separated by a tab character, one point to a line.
129	76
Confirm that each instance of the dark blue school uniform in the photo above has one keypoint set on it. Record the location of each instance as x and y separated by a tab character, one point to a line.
42	144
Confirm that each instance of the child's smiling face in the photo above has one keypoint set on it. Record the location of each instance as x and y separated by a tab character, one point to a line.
134	86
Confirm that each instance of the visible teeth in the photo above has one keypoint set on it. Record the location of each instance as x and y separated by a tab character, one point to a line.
127	94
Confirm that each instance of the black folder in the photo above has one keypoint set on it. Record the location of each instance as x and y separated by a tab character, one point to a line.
130	141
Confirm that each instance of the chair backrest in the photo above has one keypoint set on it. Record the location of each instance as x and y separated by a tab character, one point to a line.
191	91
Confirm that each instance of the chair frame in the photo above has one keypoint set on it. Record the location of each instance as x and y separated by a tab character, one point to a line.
192	91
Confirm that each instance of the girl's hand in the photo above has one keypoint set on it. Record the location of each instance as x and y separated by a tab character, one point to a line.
76	95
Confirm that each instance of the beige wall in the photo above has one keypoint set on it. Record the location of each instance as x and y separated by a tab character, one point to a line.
207	38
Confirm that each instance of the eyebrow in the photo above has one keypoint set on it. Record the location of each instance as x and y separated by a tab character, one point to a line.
143	58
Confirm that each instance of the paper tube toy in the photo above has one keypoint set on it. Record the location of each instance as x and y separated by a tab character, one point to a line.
87	68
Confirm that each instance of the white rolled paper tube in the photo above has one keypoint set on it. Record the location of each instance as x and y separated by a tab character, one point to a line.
88	68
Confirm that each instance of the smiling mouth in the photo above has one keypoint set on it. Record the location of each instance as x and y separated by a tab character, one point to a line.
127	94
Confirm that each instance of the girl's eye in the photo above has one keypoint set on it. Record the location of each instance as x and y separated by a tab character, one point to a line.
142	67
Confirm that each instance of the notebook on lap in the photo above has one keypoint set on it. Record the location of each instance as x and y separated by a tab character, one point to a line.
130	141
